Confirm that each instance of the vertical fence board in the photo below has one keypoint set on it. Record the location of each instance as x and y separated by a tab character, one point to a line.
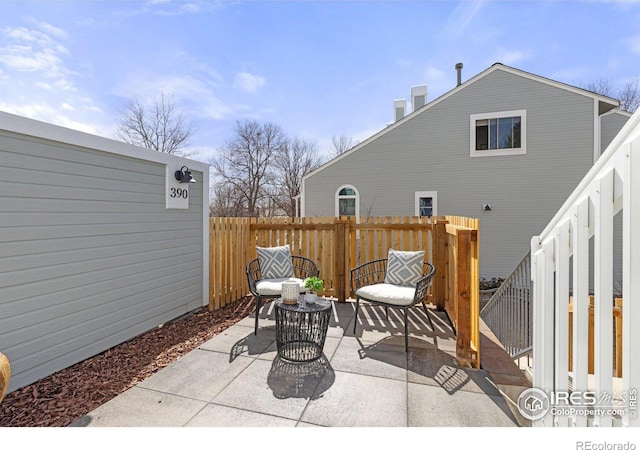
462	296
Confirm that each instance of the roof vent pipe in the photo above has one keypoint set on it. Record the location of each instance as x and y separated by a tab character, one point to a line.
459	70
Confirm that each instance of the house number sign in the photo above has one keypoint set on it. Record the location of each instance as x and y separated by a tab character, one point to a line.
177	194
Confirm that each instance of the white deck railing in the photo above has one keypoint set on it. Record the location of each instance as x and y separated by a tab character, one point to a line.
561	266
508	312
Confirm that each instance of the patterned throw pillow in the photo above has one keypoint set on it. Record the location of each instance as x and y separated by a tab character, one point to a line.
404	268
275	262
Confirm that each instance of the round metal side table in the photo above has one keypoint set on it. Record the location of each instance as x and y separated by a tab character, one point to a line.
301	329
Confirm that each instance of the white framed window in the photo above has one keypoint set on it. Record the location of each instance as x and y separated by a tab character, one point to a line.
426	204
347	201
498	134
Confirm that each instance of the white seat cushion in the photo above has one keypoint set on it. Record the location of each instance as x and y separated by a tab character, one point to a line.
391	294
273	286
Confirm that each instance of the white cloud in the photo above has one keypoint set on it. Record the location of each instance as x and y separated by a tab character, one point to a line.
249	82
45	86
52	30
31	50
196	92
38	81
44	112
179	8
461	18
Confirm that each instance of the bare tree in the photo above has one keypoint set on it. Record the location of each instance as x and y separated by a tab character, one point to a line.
245	161
628	94
342	143
296	159
227	201
602	86
158	126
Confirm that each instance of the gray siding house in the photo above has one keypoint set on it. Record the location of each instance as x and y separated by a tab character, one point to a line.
95	245
506	146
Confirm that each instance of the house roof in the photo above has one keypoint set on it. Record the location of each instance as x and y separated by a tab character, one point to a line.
605	104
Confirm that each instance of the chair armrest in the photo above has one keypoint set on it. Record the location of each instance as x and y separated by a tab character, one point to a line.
304	267
424	282
369	273
253	275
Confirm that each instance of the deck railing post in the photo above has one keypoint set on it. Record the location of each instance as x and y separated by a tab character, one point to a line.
631	268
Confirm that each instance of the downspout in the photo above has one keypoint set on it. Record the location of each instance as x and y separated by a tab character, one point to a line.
302	211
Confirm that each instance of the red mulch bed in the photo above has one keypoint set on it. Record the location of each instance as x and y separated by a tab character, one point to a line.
68	395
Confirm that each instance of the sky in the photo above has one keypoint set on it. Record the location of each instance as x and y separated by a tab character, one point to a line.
317	69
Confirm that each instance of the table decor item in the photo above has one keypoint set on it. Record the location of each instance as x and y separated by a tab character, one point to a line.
314	285
290	292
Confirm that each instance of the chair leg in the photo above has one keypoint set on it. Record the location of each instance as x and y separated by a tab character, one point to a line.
386	311
426	310
406	331
258	302
355	319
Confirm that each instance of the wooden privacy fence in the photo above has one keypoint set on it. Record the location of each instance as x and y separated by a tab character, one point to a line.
337	244
617	336
457	287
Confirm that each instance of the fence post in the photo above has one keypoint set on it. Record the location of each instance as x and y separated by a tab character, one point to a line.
440	263
463	299
340	258
474	294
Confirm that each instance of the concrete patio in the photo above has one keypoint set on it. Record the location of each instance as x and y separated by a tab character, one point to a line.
362	380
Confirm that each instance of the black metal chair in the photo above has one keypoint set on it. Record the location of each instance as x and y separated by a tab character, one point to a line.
302	268
368	281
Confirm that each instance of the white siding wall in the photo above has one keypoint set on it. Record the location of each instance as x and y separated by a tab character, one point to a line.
610	124
430	152
89	256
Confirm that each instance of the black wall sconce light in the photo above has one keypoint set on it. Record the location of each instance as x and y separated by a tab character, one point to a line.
184	175
486	207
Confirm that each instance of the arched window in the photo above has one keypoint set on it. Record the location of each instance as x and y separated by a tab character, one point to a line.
347	201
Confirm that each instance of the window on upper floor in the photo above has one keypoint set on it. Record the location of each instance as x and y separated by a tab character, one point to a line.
496	134
347	201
